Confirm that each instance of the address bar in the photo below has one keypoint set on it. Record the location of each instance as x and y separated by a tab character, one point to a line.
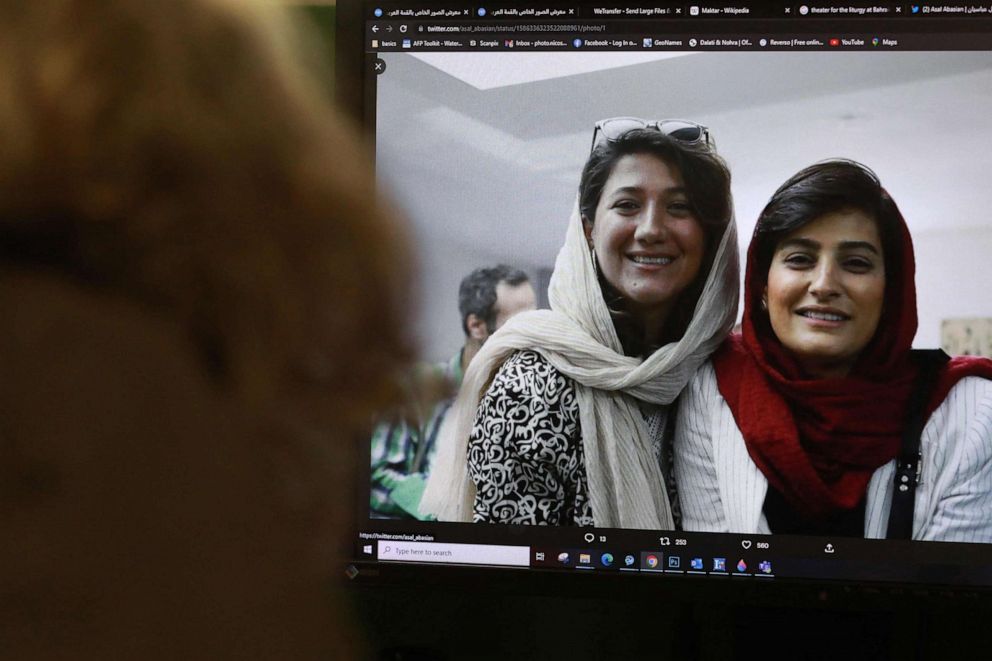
514	27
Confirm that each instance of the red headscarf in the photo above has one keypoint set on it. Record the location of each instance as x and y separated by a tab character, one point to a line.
818	441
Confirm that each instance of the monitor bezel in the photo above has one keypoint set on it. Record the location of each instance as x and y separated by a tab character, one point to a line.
351	62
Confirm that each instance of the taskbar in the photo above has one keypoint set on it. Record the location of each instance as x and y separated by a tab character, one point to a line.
669	554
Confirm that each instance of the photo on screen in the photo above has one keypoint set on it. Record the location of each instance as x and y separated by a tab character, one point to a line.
484	151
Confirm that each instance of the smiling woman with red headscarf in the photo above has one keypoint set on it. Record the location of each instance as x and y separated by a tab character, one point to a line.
819	419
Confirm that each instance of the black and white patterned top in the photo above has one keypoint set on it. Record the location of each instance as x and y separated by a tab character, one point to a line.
525	452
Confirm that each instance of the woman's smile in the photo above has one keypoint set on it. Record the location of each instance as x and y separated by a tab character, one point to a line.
651	262
819	317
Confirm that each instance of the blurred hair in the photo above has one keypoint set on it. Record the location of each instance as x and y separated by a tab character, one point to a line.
707	182
178	154
477	293
814	191
176	167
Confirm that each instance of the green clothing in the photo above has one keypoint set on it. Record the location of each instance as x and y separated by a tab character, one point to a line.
402	453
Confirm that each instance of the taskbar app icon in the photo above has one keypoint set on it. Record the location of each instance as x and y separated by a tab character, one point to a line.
651	560
620	561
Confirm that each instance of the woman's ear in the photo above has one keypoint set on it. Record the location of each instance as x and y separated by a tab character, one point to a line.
764	298
587	229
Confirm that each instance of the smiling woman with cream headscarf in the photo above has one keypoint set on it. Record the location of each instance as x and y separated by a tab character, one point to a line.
560	416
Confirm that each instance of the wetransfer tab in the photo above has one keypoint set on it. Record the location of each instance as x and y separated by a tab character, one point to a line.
703	289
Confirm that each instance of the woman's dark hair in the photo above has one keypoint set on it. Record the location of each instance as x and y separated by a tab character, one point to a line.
822	188
707	183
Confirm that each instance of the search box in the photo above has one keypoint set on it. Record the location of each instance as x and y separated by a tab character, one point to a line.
457	554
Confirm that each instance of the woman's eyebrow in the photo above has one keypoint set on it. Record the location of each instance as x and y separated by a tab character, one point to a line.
673	190
626	189
808	244
859	245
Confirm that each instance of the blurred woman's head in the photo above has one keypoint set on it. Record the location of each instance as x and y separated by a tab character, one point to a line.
190	155
653	208
191	240
827	266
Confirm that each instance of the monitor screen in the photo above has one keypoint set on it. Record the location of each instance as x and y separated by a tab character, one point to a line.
637	381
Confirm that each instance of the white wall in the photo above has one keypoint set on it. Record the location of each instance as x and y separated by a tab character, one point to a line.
953	280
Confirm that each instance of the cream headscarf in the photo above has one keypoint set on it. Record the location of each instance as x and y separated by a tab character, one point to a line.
577	336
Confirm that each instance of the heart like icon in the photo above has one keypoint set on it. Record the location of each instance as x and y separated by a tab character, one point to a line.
746	543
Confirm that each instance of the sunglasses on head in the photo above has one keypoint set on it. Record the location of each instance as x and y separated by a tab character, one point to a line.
614	128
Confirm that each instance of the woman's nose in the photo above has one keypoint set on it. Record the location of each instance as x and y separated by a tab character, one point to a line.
652	228
824	283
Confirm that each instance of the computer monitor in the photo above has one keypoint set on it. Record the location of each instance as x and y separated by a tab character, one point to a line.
483	116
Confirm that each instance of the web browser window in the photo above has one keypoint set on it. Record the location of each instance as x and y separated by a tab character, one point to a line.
485	118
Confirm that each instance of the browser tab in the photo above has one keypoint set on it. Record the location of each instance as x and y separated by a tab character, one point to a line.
630	11
835	11
719	11
957	10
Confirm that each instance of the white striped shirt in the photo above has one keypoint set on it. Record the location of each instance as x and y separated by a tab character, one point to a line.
722	490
